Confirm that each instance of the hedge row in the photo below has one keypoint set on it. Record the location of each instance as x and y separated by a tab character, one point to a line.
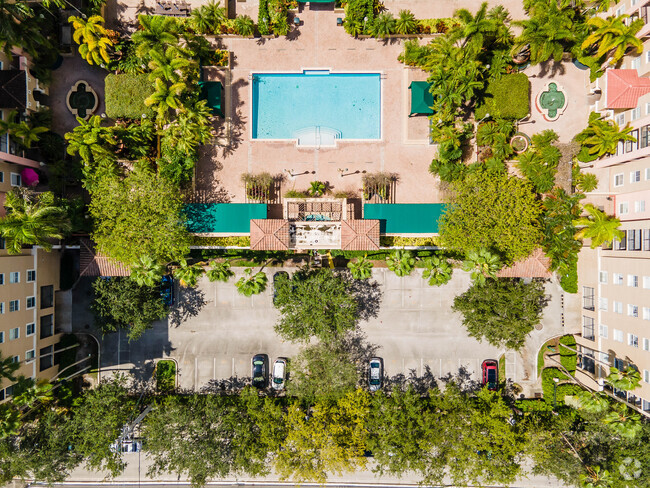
234	241
125	95
507	98
396	241
548	384
568	358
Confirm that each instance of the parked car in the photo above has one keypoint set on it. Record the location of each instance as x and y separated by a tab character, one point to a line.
278	278
260	370
167	290
375	373
279	376
490	370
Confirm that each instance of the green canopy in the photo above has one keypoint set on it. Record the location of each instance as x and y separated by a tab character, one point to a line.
421	98
212	92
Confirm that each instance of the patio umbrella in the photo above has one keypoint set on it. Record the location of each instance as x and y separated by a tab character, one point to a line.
29	176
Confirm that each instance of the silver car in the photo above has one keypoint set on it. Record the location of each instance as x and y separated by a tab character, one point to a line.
279	376
376	373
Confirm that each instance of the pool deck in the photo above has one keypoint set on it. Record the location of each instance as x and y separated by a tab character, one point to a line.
319	43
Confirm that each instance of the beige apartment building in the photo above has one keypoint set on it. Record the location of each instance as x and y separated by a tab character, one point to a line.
614	280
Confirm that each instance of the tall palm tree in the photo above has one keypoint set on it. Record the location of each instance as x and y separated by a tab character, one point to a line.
32	219
12	19
192	127
383	26
401	262
244	26
165	98
474	28
208	18
219	271
482	264
26	133
90	140
597	226
613	37
188	274
92	38
628	379
251	284
361	269
169	65
147	272
601	137
156	32
437	270
406	23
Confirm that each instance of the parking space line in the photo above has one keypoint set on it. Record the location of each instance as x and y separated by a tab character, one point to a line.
233	367
196	371
214	368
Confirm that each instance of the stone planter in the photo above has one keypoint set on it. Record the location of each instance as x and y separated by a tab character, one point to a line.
520	142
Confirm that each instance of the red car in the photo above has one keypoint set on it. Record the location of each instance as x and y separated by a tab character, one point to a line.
490	370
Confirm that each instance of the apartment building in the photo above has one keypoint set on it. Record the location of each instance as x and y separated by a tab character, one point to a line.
614	280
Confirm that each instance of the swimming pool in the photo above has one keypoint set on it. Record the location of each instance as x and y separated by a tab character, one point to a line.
316	106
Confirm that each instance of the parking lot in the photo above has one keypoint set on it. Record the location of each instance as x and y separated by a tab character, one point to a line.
215	331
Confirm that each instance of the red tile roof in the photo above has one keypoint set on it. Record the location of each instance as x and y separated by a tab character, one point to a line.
269	235
92	263
624	87
360	235
534	266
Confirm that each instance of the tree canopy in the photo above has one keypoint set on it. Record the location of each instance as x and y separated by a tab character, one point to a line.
138	215
501	311
492	211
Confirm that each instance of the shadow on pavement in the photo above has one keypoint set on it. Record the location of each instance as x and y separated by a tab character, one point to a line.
189	304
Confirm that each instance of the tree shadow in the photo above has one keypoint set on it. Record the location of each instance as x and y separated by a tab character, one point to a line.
420	384
358	348
550	69
463	380
237	119
189	304
232	385
368	295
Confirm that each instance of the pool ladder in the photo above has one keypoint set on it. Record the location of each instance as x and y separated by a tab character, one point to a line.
317	136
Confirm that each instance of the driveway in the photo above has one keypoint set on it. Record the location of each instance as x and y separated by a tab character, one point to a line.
214	332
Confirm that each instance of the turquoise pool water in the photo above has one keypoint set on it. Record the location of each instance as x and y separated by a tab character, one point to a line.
285	105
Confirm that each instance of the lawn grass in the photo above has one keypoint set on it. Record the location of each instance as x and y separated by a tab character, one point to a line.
507	98
502	368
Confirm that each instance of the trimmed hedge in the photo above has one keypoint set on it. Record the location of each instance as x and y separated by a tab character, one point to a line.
125	95
507	98
390	241
568	359
569	281
548	384
236	241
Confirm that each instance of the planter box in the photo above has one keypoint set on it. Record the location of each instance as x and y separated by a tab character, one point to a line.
400	36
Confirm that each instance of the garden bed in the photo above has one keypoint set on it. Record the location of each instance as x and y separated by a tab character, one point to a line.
508	98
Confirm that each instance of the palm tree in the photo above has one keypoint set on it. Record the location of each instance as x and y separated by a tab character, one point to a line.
406	22
169	65
251	284
92	38
26	133
482	264
627	380
165	98
12	19
156	32
474	28
623	421
90	140
361	269
32	219
244	26
189	274
208	18
220	271
601	137
597	226
191	127
383	26
147	272
8	367
29	391
437	270
401	262
614	37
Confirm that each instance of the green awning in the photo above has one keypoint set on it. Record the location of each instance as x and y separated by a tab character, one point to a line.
405	218
212	92
222	217
421	98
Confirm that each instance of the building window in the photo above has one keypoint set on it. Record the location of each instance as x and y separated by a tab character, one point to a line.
586	358
14	305
16	179
14	333
47	326
602	304
633	340
31	275
46	357
646	282
2	337
618	335
30	328
47	296
646	313
646	344
588	298
617	307
623	208
31	302
633	281
620	119
14	277
588	328
618	179
2	176
618	279
633	310
602	331
639	205
647	171
2	278
620	10
635	63
635	176
15	359
646	239
646	376
602	277
29	355
2	307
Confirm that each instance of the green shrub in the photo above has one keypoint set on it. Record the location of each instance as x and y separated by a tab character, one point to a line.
437	25
236	241
125	95
508	98
532	405
166	375
568	358
569	280
568	389
295	194
548	384
396	241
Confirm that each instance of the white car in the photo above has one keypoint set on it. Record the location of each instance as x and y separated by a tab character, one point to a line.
376	373
279	376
